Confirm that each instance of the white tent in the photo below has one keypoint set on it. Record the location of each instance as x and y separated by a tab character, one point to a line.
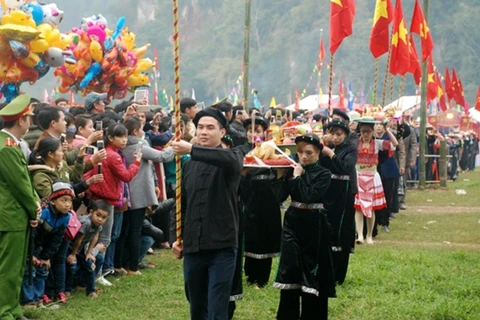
311	102
474	114
406	102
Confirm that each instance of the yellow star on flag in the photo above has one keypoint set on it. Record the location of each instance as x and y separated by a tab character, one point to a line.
380	11
395	39
339	2
424	29
401	34
430	78
402	30
440	91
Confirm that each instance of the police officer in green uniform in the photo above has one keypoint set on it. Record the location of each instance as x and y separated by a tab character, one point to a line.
19	206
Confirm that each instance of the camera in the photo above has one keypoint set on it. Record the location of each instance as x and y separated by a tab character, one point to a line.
100	145
90	150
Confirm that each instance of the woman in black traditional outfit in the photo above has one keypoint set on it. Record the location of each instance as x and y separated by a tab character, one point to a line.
260	197
340	158
306	264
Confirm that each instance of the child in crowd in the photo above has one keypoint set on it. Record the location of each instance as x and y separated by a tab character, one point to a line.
86	252
47	238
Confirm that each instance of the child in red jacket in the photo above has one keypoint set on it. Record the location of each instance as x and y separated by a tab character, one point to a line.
115	175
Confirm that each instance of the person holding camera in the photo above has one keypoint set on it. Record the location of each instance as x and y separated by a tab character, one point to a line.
112	190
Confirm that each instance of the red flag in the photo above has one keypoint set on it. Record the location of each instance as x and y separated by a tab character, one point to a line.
432	88
71	98
460	95
454	85
467	108
380	37
400	59
448	85
415	68
341	103
441	93
477	101
420	26
342	13
321	55
297	100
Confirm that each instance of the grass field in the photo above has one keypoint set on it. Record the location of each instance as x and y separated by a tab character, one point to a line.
427	267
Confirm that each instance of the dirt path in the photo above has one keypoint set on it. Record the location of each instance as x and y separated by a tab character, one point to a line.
445	244
439	210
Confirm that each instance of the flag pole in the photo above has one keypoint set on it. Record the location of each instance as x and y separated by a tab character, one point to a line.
423	112
178	169
246	56
375	83
330	85
401	92
385	83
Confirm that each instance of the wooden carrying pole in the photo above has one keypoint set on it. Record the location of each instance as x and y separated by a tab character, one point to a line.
246	57
178	169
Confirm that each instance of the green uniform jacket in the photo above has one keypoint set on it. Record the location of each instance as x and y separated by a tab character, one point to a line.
18	199
44	176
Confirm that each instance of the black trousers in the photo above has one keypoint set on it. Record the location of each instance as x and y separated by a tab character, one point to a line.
127	250
258	271
313	307
341	259
382	216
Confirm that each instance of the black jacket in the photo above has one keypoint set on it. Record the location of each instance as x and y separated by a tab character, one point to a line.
210	182
237	133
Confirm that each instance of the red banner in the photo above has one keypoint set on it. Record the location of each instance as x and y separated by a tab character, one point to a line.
465	123
432	120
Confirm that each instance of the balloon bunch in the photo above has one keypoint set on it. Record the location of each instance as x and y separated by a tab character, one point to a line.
30	43
104	60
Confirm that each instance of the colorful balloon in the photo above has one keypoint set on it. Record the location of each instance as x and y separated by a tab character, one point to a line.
96	51
18	18
34	10
51	14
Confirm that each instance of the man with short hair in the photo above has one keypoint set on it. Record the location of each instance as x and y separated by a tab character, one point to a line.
62	103
94	103
52	121
189	107
239	115
210	217
239	137
19	205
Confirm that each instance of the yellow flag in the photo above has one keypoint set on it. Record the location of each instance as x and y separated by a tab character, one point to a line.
273	103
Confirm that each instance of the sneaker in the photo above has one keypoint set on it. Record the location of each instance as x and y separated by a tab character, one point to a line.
62	297
46	299
104	282
385	229
30	305
108	273
121	272
134	273
93	295
146	265
402	207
